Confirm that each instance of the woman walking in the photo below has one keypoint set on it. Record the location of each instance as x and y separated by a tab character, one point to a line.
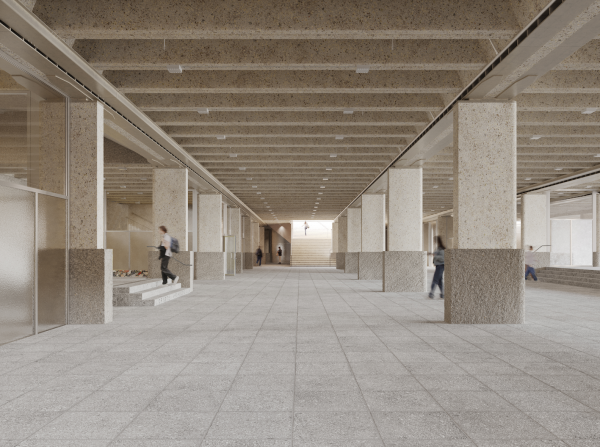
438	261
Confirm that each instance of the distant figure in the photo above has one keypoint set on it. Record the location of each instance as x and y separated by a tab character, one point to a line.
529	261
259	256
279	253
165	256
306	227
438	276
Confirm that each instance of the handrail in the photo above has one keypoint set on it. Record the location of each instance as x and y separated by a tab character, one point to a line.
541	247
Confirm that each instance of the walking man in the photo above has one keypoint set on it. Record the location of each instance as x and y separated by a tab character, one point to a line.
438	276
306	227
259	256
529	261
165	256
279	253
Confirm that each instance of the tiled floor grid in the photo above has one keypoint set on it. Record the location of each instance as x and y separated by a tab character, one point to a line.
282	357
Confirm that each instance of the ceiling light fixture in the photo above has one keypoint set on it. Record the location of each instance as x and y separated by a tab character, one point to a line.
322	187
348	112
435	187
233	155
123	198
333	156
203	111
535	137
328	169
255	186
597	156
362	70
174	69
589	111
137	203
320	193
339	137
122	187
122	169
325	179
558	169
528	178
143	178
221	137
140	193
242	169
257	193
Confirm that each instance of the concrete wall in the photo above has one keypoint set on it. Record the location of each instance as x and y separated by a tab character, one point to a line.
581	242
281	236
124	217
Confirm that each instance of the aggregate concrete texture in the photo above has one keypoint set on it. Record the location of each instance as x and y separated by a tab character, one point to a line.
170	203
404	271
373	223
180	264
351	262
209	266
210	215
405	209
370	265
534	222
353	234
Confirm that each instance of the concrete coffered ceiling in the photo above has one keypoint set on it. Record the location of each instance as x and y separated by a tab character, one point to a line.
290	118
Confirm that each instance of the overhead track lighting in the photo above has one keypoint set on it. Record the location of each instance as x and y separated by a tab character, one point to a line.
362	70
589	111
348	112
221	137
203	111
174	69
536	137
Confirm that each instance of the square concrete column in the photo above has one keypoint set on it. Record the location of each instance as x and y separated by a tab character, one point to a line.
334	240
353	238
484	270
370	258
342	243
235	229
209	261
534	227
405	262
255	241
247	242
170	208
90	265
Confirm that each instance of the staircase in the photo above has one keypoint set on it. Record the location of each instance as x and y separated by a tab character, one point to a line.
314	249
570	277
147	293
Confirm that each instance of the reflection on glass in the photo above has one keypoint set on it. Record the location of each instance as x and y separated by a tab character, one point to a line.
17	263
33	135
52	262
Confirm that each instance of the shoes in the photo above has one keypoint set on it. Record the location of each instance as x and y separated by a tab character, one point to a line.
441	297
431	295
176	280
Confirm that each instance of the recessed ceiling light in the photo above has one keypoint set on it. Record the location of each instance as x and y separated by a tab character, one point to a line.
221	137
320	193
322	187
589	111
536	137
325	179
122	187
137	203
528	178
318	198
316	203
450	178
597	156
140	193
242	169
143	178
362	70
328	169
333	155
122	169
348	112
203	111
233	155
558	169
174	69
435	187
589	186
257	193
339	137
560	193
262	198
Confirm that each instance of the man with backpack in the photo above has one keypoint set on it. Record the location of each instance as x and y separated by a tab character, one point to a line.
167	246
259	256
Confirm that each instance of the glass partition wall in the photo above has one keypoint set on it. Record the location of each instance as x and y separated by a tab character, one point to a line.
33	206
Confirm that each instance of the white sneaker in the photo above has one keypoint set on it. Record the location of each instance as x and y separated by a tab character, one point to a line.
176	280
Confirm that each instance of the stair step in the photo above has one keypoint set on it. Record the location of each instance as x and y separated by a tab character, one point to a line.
569	283
137	286
169	296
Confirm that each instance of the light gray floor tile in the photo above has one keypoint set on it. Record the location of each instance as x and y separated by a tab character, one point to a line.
160	425
507	425
417	426
326	400
414	401
245	400
45	401
538	401
251	425
323	426
571	425
85	425
472	401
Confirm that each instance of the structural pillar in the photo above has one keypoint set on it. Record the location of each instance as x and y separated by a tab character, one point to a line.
334	242
247	242
342	243
353	238
209	260
170	208
445	230
485	270
534	227
595	229
405	262
235	229
90	264
370	258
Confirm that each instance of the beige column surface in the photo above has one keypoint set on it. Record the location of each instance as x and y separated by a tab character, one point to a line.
342	227
52	146
405	209
210	210
235	221
485	174
170	203
484	270
445	229
248	243
373	223
353	234
255	236
334	237
225	220
533	221
86	176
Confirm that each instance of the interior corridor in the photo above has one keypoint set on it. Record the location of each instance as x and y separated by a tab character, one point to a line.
285	357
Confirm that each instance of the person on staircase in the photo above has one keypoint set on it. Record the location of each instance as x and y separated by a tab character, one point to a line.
259	255
165	256
306	227
529	262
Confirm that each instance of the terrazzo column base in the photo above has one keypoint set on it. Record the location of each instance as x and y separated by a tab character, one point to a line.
351	262
541	260
248	261
484	286
596	259
340	261
370	265
185	272
239	263
209	266
404	271
90	286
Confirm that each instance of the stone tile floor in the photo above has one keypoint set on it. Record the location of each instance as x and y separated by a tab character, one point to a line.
309	357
